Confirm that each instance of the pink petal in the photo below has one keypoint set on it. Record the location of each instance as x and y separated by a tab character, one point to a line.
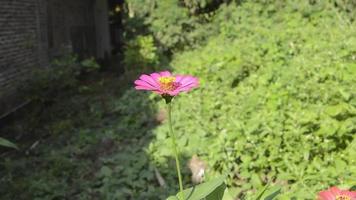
185	89
335	190
144	84
173	93
189	86
353	194
326	195
188	80
165	73
192	81
349	193
149	80
155	76
179	78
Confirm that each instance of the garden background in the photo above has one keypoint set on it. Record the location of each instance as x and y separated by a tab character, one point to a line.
276	104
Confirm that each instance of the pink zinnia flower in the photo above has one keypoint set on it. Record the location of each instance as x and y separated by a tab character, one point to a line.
165	84
335	193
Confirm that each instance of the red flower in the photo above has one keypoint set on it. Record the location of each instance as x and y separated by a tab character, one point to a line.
334	193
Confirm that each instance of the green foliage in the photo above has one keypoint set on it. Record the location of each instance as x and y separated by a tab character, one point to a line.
140	53
169	22
216	190
89	65
212	190
63	75
276	101
46	83
276	105
202	6
269	193
182	24
97	151
6	143
175	25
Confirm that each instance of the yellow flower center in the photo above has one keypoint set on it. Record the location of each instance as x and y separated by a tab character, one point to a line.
342	197
167	83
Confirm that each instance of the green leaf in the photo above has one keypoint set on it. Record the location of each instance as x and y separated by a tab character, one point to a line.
262	192
105	171
335	110
272	193
212	190
227	195
172	198
269	193
7	143
353	188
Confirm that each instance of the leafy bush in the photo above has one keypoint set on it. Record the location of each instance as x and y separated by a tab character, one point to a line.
89	65
276	104
140	53
63	75
276	101
182	24
173	23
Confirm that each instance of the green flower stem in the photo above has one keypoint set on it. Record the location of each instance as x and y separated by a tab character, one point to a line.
176	153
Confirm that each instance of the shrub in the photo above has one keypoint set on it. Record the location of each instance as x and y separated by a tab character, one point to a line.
174	24
276	102
46	83
63	75
140	53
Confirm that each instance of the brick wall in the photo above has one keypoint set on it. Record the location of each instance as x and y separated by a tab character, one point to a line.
34	31
22	44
